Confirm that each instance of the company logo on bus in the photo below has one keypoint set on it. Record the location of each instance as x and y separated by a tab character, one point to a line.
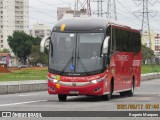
74	84
122	57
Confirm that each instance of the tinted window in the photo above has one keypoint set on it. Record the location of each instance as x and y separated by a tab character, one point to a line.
126	41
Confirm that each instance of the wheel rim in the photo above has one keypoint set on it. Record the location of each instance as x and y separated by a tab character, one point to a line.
110	91
132	89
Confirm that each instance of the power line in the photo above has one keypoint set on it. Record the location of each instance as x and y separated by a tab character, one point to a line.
42	12
111	9
127	9
145	12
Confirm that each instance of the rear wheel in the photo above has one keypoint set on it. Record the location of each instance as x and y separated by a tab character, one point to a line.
62	97
122	94
131	92
128	93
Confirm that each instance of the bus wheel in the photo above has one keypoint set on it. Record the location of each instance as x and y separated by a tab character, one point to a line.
122	94
128	93
131	92
62	97
108	96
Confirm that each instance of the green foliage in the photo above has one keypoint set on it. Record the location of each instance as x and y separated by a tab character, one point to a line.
38	57
36	41
150	69
147	53
21	44
5	51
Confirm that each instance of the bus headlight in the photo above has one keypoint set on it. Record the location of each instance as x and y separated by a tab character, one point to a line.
94	81
98	80
52	80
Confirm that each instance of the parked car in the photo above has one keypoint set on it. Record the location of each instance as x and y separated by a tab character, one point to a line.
22	66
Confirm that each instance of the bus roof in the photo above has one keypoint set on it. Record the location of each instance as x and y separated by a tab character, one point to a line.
86	24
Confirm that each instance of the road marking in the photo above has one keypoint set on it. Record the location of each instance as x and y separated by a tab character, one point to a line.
20	103
27	95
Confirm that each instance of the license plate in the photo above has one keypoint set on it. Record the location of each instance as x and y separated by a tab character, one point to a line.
74	92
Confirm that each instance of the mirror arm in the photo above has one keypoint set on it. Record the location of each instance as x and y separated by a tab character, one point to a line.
42	44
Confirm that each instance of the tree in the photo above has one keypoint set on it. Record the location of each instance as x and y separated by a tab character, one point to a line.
37	41
147	53
21	44
38	57
5	51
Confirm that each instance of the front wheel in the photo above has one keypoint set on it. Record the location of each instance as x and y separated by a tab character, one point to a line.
62	97
108	97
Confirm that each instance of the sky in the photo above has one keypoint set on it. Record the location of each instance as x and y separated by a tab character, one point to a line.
128	12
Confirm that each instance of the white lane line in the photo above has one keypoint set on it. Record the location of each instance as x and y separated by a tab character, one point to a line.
27	95
20	103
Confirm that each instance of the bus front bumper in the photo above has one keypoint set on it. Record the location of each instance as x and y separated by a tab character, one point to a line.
72	88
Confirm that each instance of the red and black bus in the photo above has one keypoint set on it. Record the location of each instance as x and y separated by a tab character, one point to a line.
93	56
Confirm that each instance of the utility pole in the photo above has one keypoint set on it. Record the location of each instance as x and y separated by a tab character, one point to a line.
88	8
82	6
145	12
100	10
76	8
145	20
111	9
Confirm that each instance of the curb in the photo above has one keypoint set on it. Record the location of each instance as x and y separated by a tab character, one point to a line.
23	86
150	76
41	85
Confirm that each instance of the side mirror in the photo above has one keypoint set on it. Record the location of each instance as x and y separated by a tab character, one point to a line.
105	45
44	43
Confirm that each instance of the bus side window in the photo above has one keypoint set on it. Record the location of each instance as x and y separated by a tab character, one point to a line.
136	40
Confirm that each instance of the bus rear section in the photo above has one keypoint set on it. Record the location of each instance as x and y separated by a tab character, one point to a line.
85	59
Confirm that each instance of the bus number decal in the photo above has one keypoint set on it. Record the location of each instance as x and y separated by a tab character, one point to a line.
122	57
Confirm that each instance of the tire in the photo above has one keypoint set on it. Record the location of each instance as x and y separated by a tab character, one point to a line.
62	98
122	94
108	97
131	92
128	93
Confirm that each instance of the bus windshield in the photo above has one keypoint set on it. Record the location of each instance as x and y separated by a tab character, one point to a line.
76	52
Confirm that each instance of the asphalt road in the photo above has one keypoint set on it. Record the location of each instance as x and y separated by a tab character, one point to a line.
149	93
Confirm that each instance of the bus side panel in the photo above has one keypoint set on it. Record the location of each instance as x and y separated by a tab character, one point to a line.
136	65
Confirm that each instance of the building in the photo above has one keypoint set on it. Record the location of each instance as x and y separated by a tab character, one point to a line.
155	41
157	45
40	30
63	12
14	15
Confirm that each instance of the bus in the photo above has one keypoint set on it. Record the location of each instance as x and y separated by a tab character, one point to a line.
93	57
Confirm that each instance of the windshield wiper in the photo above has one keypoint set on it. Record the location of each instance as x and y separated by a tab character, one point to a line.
70	60
83	66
